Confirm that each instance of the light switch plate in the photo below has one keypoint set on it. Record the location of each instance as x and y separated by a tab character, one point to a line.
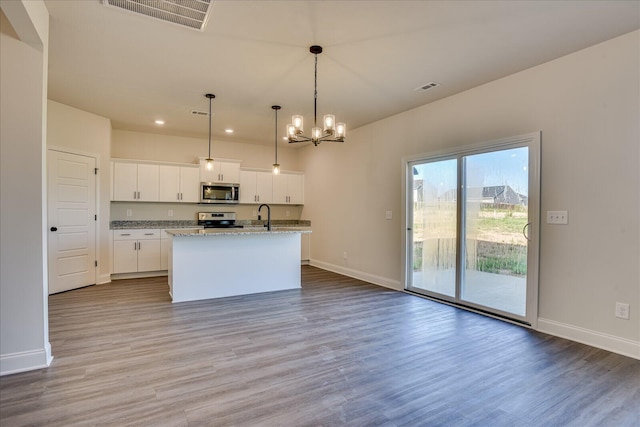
557	217
389	214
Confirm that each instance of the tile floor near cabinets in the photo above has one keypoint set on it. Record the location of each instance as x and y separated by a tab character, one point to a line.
337	352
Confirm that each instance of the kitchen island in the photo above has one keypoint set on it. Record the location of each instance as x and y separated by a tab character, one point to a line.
216	263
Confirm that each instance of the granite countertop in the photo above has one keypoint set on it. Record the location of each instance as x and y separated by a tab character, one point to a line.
252	224
237	231
125	225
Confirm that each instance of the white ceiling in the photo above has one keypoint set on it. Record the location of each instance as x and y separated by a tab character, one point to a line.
253	54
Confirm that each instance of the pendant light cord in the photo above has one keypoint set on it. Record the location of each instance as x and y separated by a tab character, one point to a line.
315	93
210	98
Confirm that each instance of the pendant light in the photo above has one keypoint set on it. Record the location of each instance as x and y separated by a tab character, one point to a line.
332	131
209	160
276	166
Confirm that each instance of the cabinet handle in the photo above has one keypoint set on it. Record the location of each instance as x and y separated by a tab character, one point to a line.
125	234
148	234
134	195
181	196
139	245
135	246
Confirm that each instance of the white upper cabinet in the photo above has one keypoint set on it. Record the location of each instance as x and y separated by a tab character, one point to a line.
190	184
136	182
288	188
223	171
179	183
255	187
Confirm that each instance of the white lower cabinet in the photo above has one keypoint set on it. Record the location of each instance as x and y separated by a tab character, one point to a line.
136	250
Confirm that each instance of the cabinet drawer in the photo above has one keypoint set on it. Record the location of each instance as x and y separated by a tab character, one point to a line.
136	234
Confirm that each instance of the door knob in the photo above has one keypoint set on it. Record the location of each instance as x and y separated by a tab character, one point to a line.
54	228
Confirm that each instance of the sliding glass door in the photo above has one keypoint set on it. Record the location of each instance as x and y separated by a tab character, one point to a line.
472	221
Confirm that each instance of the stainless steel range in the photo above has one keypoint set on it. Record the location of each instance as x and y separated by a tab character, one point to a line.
217	220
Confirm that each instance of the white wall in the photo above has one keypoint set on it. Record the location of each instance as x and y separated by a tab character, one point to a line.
587	106
147	146
84	133
24	334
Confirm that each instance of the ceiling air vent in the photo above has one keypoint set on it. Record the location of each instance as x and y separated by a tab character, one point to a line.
426	87
188	13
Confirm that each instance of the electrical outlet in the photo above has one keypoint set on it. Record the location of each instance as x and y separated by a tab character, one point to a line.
557	217
287	213
389	214
622	310
344	255
170	212
129	212
254	213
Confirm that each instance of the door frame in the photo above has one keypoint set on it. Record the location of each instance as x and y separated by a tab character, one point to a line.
96	157
531	140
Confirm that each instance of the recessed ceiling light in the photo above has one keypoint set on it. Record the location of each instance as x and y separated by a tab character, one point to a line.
159	122
228	130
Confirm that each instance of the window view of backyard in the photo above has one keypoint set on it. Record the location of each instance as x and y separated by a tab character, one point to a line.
494	209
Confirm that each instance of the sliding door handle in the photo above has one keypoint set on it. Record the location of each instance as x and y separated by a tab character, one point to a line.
524	231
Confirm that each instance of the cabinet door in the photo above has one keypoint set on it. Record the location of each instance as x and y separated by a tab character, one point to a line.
125	181
229	172
264	187
189	184
149	255
295	187
248	187
164	254
125	256
169	177
280	193
148	183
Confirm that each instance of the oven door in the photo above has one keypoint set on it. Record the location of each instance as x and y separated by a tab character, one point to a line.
211	192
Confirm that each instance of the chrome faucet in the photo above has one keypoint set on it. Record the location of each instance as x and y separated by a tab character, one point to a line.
268	215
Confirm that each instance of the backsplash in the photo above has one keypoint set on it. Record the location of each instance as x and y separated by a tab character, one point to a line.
141	211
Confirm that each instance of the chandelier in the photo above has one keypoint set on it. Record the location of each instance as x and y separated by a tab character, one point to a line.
332	131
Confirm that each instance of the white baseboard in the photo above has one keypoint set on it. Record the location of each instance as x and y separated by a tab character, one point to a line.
104	278
607	342
356	274
139	275
25	361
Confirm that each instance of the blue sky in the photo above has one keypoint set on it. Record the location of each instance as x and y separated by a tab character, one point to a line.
504	167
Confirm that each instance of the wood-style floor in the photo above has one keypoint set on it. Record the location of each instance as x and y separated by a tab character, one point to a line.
337	352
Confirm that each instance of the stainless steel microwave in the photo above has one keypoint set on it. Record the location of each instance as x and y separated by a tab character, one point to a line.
219	192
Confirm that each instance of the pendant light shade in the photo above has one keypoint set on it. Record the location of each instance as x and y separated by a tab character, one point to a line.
209	160
276	166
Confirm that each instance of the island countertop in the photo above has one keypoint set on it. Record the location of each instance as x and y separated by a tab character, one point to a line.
237	231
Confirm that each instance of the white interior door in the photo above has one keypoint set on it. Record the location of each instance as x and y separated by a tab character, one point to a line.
71	183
